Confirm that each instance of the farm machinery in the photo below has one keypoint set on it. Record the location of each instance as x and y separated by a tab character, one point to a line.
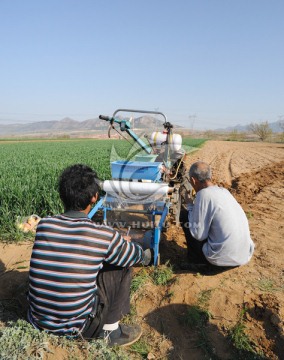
149	185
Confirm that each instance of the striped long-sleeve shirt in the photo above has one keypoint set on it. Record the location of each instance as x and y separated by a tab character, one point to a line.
68	252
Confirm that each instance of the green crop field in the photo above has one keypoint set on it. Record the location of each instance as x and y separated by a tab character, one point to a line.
194	143
29	172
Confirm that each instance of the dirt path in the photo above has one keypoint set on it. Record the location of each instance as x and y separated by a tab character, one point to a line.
254	172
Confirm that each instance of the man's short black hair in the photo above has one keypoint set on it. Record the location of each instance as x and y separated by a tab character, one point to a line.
77	185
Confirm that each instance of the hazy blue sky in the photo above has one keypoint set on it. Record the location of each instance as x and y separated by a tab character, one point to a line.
220	60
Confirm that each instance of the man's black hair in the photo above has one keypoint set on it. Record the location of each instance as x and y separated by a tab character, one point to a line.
77	185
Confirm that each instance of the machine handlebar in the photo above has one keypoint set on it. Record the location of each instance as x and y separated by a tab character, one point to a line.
104	117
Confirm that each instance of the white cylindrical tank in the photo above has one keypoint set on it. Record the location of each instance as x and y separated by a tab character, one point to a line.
135	188
159	138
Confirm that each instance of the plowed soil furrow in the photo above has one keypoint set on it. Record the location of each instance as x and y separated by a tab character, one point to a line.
231	159
267	157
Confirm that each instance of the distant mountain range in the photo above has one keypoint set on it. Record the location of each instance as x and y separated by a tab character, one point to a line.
68	125
274	126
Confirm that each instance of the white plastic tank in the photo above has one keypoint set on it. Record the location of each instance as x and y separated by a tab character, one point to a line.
159	138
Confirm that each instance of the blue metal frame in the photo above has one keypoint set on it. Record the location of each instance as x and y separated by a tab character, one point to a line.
157	232
98	206
155	243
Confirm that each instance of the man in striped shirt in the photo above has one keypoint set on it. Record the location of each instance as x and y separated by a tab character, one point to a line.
80	272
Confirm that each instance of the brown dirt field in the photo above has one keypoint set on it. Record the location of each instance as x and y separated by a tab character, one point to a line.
254	173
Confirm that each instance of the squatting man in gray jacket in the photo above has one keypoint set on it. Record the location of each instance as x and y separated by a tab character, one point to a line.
218	230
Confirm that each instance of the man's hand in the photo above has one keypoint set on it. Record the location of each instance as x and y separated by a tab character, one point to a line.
127	238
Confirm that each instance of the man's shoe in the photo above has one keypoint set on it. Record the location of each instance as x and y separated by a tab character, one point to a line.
124	335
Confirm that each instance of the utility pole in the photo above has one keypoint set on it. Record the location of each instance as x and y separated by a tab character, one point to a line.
192	120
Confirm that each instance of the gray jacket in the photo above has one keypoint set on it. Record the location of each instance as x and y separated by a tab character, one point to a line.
219	218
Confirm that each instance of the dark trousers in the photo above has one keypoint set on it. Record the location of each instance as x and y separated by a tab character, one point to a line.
112	300
194	247
194	250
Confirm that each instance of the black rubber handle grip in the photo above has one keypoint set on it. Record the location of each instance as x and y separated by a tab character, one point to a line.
104	117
